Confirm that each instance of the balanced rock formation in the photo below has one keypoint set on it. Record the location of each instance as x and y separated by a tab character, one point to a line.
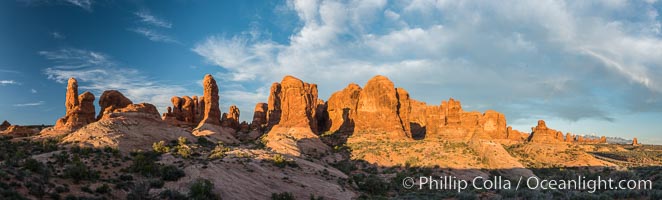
79	109
292	113
542	134
212	112
5	124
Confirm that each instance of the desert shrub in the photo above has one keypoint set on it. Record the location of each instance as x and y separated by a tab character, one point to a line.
182	147
171	173
172	195
33	165
139	192
218	152
79	171
371	184
156	183
282	196
145	164
201	189
203	141
160	147
280	161
103	189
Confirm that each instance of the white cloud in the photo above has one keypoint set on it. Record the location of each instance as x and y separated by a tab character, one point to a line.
84	4
8	82
147	18
99	73
154	35
33	91
57	35
39	103
531	51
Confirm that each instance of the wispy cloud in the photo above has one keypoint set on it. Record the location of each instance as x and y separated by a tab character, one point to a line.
39	103
57	35
9	82
147	18
534	52
99	73
33	91
153	35
84	4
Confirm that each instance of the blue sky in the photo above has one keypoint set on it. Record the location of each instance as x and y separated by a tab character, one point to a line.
586	67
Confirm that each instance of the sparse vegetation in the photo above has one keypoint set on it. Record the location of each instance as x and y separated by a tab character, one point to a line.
202	189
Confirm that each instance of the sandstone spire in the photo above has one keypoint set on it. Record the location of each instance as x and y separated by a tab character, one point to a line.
79	109
212	114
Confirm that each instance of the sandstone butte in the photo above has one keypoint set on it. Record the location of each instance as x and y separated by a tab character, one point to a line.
79	109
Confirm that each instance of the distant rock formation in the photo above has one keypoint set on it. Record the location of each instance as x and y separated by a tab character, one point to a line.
292	114
635	142
5	124
212	112
79	109
19	131
542	134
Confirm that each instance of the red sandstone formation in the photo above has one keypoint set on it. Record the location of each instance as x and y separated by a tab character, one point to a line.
494	124
379	109
259	116
79	109
212	114
19	131
294	103
231	119
111	100
341	109
635	142
292	114
542	134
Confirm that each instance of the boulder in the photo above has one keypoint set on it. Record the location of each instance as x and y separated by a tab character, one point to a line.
19	131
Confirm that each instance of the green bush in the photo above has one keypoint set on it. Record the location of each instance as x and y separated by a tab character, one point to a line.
201	189
79	171
182	148
280	161
218	152
171	173
160	147
282	196
103	189
145	164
